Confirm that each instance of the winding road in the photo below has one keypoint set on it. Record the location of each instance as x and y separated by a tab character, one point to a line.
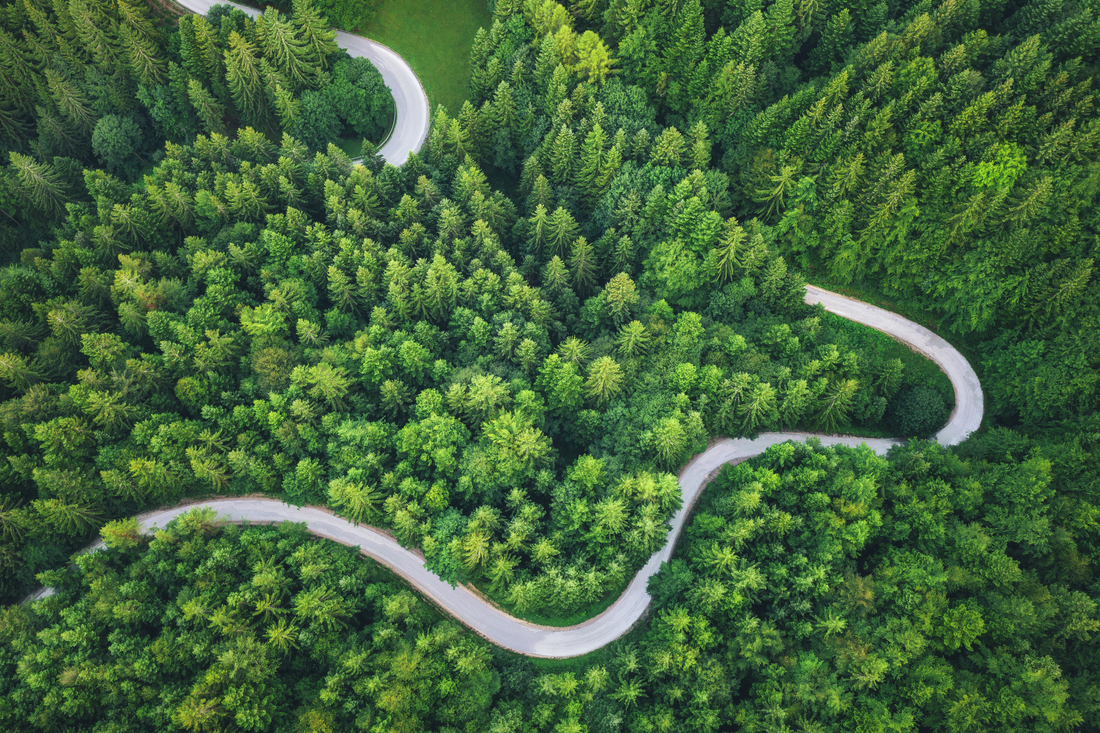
543	641
410	130
411	122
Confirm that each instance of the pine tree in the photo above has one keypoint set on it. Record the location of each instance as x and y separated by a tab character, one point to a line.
504	106
593	155
604	381
562	154
622	298
542	194
146	60
245	82
689	39
13	130
287	107
16	372
51	36
669	149
700	146
283	48
16	75
563	229
71	101
532	169
134	17
92	34
319	40
751	39
733	88
540	225
781	30
758	409
835	405
40	184
622	258
728	251
209	111
582	266
831	46
594	60
480	52
199	48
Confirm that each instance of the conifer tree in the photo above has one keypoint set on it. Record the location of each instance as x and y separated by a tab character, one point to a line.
700	146
542	194
16	75
592	160
562	154
146	60
199	49
562	231
92	34
71	101
318	39
281	47
669	149
40	184
208	109
244	79
604	381
582	266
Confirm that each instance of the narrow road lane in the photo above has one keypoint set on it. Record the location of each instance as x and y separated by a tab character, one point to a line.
411	126
543	641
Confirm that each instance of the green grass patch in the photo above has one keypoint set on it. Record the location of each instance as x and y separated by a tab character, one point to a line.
435	38
352	146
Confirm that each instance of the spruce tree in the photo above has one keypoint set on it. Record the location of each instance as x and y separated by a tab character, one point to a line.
562	154
208	109
71	101
146	60
245	82
283	48
318	39
40	184
563	228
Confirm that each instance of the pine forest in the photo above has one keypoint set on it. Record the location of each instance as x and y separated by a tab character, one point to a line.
502	349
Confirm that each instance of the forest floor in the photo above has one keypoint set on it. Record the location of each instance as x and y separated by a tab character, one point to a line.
435	38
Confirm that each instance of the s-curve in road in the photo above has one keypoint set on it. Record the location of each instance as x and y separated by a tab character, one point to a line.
543	641
411	122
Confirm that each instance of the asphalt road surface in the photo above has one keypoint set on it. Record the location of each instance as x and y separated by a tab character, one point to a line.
412	121
543	641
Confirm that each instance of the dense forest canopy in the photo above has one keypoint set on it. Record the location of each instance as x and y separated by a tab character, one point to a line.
502	349
105	84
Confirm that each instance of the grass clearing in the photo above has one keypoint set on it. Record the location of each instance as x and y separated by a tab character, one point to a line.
352	146
435	38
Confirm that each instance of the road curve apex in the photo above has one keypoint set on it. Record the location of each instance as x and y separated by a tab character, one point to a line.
412	118
969	400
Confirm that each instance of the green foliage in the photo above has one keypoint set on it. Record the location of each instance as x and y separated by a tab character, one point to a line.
918	412
503	378
116	141
247	630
